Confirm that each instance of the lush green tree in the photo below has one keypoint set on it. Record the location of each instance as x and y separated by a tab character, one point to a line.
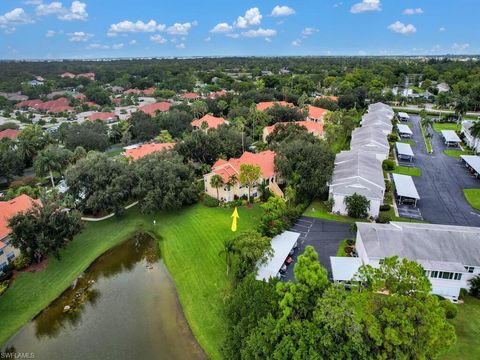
176	122
357	206
288	132
461	108
274	218
91	135
199	108
251	249
249	176
78	153
250	302
11	159
228	251
44	229
306	166
143	127
31	140
52	159
100	183
216	181
280	113
164	181
475	286
98	95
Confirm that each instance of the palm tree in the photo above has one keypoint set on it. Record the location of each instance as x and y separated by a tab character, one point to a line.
45	163
216	181
427	123
232	181
290	195
228	250
461	108
475	132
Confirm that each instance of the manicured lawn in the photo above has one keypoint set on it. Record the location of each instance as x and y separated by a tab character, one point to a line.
437	127
341	248
412	143
317	210
473	197
426	139
456	153
190	242
405	170
467	327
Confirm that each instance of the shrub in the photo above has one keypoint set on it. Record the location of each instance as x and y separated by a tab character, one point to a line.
463	293
388	165
350	242
210	201
450	309
475	286
383	218
385	207
21	262
388	186
328	205
357	206
3	287
393	138
388	198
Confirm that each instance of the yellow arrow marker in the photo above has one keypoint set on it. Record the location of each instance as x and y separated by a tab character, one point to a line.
235	217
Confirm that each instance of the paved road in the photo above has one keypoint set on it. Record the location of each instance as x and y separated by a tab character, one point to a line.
442	182
429	109
325	236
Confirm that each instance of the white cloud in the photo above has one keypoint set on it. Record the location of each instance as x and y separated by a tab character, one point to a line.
282	11
208	39
222	28
159	39
401	28
442	29
413	11
309	31
296	42
180	46
77	10
366	5
266	33
134	27
50	33
79	36
252	17
180	29
233	36
97	46
133	42
337	5
117	46
460	47
16	16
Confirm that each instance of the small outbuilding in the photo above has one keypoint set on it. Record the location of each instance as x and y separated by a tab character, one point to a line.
451	138
344	268
405	189
472	162
403	116
404	131
404	151
281	245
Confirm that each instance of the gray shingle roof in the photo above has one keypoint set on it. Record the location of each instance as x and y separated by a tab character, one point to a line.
432	242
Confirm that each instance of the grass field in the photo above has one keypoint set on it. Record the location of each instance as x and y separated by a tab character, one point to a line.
190	242
410	142
318	210
405	170
467	327
428	145
341	248
457	153
437	127
473	197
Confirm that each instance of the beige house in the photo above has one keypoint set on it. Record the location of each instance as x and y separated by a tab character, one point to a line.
231	168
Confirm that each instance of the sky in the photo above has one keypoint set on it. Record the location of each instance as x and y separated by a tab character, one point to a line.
42	29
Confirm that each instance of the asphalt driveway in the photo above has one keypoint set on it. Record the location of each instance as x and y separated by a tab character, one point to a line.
442	182
325	236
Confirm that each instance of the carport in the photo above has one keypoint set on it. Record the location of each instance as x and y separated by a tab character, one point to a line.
281	246
344	268
404	131
405	189
472	162
403	116
451	138
404	151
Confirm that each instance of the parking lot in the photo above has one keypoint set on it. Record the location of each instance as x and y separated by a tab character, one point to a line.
442	182
325	236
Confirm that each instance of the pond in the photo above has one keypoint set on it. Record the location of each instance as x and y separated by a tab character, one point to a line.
125	306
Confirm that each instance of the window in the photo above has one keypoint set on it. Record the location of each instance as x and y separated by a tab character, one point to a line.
469	269
1	251
445	275
10	256
458	276
3	266
434	274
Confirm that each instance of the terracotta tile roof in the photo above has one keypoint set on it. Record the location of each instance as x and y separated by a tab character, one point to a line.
104	116
10	208
264	159
9	133
151	109
190	96
89	75
262	106
147	149
312	127
316	112
53	106
217	94
149	91
68	75
212	122
28	103
90	103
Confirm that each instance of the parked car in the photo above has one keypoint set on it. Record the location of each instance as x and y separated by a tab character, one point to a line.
292	252
283	269
288	260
